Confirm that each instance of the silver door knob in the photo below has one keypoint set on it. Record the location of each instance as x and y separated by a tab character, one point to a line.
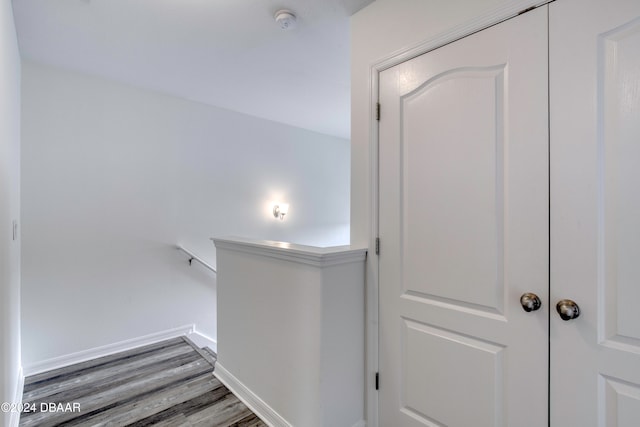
567	309
530	302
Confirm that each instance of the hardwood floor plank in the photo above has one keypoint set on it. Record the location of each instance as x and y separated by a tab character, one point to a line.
179	421
249	421
134	411
136	352
167	384
186	408
211	352
223	413
125	392
124	379
205	355
68	387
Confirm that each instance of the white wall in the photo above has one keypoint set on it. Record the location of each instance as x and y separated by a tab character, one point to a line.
9	208
114	176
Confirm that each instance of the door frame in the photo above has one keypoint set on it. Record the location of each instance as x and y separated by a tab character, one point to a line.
490	17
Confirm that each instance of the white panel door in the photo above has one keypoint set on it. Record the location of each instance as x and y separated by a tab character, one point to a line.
464	231
595	211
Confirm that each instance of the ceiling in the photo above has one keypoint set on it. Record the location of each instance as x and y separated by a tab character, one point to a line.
226	53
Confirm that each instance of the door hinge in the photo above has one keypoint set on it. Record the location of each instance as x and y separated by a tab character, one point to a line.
377	380
378	111
377	246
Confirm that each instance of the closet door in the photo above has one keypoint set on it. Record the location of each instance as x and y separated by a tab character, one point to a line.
595	211
464	232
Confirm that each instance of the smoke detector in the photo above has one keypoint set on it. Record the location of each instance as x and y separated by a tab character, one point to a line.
285	19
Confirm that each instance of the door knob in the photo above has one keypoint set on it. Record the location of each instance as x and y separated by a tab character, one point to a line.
567	309
530	302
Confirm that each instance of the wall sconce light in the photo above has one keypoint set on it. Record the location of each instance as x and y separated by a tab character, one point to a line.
280	210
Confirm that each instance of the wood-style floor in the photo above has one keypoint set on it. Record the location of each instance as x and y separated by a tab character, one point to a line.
170	383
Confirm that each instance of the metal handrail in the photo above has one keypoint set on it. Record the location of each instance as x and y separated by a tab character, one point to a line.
196	257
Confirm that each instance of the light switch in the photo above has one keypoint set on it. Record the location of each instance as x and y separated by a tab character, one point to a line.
15	230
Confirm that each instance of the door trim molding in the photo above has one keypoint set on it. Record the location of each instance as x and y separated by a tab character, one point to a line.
488	18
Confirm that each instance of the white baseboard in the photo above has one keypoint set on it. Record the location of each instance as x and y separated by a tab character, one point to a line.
93	353
253	402
202	340
15	416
